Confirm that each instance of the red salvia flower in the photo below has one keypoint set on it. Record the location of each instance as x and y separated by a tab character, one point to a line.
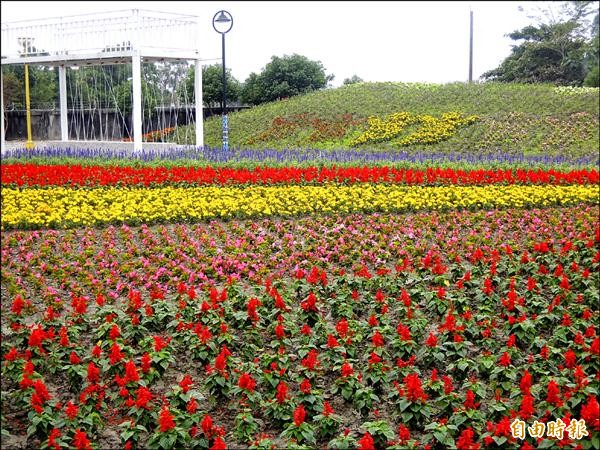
570	359
332	341
434	375
311	360
80	440
403	434
219	444
502	428
374	359
595	347
310	304
404	332
448	387
220	362
160	343
305	386
373	322
186	383
431	340
247	382
131	373
146	362
207	425
282	392
192	406
526	410
342	328
525	383
504	360
114	332
413	388
347	369
12	354
279	331
470	400
74	359
93	373
299	415
54	434
590	412
553	394
465	440
17	305
143	397
327	409
366	442
96	351
377	339
71	410
115	354
64	337
166	420
37	336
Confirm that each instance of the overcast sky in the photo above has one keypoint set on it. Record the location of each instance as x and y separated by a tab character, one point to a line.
378	41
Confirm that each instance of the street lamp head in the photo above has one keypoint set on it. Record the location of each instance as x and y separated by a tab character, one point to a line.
222	22
222	17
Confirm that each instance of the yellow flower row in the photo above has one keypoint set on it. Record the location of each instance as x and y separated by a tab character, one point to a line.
67	207
431	131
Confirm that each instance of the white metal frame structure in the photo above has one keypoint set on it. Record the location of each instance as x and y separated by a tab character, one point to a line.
93	39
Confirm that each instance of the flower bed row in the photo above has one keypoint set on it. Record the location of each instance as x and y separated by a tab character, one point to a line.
443	340
185	156
77	175
64	207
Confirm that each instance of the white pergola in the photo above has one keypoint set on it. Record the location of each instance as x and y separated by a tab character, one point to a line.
94	39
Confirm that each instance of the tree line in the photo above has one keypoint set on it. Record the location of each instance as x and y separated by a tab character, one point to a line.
163	84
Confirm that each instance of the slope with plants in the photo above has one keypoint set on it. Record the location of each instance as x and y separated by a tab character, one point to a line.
510	118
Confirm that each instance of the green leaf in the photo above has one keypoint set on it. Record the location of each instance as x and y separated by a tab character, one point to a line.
440	436
499	440
308	435
596	441
407	416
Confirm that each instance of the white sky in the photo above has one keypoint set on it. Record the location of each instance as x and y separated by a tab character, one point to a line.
378	41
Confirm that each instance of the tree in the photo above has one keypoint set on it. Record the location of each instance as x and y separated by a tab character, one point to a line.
43	86
285	77
353	80
555	50
212	82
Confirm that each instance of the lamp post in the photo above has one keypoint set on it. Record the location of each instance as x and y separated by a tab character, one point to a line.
222	23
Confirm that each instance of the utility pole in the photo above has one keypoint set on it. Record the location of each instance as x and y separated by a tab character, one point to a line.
471	47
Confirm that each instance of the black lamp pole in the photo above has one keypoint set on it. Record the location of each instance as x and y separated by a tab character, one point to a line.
224	99
222	23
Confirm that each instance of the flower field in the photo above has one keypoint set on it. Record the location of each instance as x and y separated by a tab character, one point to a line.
293	298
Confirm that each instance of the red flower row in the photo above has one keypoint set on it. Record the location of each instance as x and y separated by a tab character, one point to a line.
43	175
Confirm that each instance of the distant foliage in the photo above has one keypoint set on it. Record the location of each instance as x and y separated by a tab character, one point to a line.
353	80
284	77
212	86
561	49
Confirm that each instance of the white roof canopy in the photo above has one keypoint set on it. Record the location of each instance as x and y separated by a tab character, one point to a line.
101	38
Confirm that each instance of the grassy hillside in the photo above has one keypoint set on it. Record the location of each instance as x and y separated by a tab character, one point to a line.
535	119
